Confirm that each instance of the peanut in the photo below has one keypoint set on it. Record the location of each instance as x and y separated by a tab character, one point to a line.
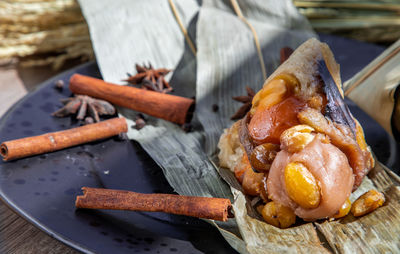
296	138
344	210
316	102
291	82
367	203
270	95
301	185
241	167
278	215
275	91
252	182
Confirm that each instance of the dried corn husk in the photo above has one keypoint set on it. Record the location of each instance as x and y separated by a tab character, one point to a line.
30	29
226	61
373	21
373	89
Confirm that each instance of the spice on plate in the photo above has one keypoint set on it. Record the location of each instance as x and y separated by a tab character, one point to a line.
215	108
59	84
187	127
140	122
49	142
172	108
246	100
199	207
83	105
150	79
89	120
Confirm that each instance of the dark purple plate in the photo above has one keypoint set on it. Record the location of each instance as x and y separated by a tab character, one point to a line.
43	188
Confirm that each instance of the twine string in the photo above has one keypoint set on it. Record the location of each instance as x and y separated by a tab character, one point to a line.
239	13
182	27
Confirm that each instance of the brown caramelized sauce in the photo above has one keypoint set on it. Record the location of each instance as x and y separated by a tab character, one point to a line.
267	125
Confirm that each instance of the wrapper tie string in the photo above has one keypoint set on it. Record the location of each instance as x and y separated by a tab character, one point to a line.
182	27
239	13
241	17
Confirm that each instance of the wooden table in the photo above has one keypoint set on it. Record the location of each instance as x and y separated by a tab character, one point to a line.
16	234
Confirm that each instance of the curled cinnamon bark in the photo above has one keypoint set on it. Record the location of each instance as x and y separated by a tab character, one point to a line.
172	108
49	142
200	207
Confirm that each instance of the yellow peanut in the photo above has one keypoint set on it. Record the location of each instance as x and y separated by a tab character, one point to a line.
252	182
316	102
291	82
278	215
344	210
367	203
360	136
296	138
275	91
363	145
270	95
301	185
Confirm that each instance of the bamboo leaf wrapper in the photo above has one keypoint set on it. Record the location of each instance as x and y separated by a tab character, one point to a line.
126	32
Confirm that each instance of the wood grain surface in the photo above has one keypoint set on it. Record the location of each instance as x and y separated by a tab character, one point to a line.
16	234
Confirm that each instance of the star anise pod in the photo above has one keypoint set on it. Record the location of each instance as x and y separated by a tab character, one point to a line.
140	121
246	100
285	53
82	106
59	85
151	79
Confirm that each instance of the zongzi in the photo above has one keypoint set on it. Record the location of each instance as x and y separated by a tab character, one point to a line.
299	148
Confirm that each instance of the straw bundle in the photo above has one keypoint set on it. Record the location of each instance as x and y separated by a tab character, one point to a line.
42	32
373	21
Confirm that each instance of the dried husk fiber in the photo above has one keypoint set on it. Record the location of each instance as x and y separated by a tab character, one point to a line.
373	21
43	32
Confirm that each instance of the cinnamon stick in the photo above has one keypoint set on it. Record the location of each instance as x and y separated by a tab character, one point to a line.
200	207
49	142
172	108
